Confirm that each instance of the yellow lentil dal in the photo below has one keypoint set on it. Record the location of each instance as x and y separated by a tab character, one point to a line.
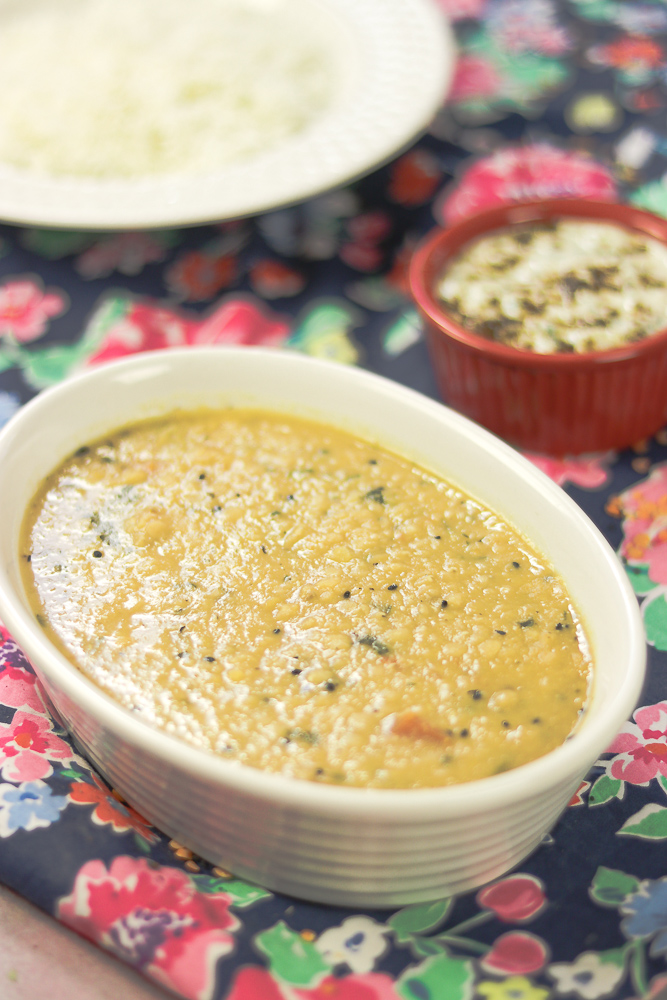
296	598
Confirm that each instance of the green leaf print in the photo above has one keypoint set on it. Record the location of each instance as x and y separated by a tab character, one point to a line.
49	365
611	887
662	781
242	893
654	612
525	76
291	958
604	789
422	947
651	196
406	331
650	823
639	578
439	978
325	333
418	919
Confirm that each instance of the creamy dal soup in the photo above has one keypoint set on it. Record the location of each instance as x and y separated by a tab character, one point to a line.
301	600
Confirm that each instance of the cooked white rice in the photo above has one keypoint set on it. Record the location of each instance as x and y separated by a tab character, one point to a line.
124	88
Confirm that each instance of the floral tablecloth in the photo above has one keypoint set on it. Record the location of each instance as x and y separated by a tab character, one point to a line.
550	98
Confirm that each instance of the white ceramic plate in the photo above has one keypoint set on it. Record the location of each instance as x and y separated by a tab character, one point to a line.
395	60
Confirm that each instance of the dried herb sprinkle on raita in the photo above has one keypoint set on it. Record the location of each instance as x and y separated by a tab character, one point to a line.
571	286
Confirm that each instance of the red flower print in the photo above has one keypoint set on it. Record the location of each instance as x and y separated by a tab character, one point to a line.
149	327
109	809
413	178
515	953
255	983
641	746
524	172
153	918
272	279
239	321
513	899
632	54
26	744
25	309
198	275
578	797
20	689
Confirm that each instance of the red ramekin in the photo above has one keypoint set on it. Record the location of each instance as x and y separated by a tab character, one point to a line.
551	403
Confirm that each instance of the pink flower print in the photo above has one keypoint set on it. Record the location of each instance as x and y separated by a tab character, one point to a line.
644	510
155	919
641	746
520	26
25	309
513	899
516	953
588	472
20	689
124	252
459	10
475	77
519	173
26	745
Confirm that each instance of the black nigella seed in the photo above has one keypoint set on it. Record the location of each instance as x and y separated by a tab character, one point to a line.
516	565
28	558
296	671
392	586
536	721
82	451
560	627
527	623
506	724
319	770
372	461
182	628
444	604
202	475
437	537
330	685
464	732
210	659
475	694
347	594
276	631
97	554
290	496
500	631
264	549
